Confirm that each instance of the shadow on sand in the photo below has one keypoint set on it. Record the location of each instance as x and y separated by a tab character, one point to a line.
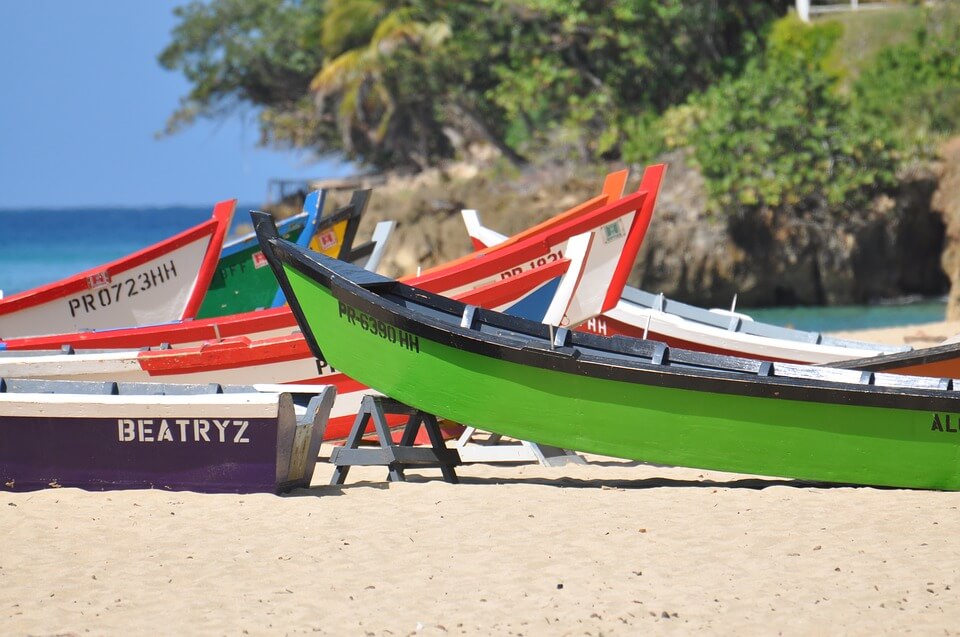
566	482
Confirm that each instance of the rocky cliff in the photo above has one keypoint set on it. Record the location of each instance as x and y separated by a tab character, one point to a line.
946	202
891	250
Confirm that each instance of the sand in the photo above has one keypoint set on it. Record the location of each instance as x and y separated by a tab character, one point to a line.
606	548
926	335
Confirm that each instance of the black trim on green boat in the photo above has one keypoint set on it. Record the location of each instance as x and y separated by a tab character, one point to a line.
432	317
355	208
920	356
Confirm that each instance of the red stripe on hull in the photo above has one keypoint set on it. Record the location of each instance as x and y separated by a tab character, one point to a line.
338	429
496	293
229	354
650	183
223	213
246	324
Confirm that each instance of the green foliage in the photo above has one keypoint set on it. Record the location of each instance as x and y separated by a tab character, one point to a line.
791	39
409	82
781	136
234	52
583	71
865	33
915	86
779	114
385	109
348	25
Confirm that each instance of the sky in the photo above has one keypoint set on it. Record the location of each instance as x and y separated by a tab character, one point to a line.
81	98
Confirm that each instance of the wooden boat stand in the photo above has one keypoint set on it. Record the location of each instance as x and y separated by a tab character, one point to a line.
396	457
495	449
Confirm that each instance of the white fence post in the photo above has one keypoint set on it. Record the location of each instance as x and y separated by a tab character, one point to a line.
803	10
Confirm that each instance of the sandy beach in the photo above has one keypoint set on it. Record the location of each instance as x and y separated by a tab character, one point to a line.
605	548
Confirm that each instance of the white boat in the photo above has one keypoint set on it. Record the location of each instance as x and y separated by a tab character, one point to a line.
641	314
112	435
163	282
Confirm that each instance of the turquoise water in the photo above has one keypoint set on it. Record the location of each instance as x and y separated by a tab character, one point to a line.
41	246
853	317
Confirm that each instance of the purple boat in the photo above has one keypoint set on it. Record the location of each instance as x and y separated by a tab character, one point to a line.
207	438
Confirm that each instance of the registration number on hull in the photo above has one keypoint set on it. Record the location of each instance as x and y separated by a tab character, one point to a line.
115	292
379	328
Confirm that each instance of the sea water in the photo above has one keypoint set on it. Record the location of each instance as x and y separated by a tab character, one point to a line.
40	246
44	245
890	313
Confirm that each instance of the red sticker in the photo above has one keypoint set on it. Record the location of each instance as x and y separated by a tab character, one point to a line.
328	239
98	279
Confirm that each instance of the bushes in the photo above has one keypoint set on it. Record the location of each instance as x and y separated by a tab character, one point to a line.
915	87
780	135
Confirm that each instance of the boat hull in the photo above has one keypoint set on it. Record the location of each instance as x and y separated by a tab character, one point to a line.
243	442
153	292
630	320
161	283
236	361
243	281
652	415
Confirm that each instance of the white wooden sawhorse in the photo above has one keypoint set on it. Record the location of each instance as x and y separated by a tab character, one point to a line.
494	449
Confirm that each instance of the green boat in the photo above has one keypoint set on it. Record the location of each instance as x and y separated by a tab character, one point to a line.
619	396
243	282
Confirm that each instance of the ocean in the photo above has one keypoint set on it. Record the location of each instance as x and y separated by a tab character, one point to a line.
39	246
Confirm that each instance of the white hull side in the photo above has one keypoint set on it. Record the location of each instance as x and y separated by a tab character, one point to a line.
148	294
751	346
246	405
608	245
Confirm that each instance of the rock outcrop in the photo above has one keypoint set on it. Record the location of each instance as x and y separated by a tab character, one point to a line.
888	251
891	250
946	202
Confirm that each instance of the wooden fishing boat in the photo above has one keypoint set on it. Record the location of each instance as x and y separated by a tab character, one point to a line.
258	324
620	223
180	437
641	314
619	396
163	282
240	283
280	359
540	246
243	282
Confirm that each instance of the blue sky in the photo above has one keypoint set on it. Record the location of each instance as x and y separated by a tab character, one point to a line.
82	96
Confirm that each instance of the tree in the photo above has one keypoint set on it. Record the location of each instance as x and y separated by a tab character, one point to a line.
413	82
380	118
261	53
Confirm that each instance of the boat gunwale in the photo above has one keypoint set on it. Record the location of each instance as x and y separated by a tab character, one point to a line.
897	360
571	358
249	239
